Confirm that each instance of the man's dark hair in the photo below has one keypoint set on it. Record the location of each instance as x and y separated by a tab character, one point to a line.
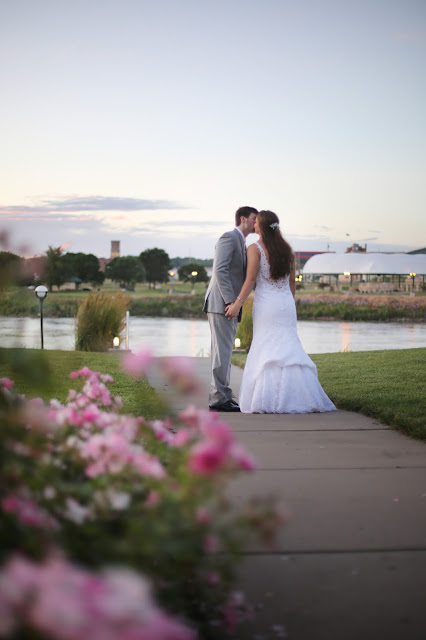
243	212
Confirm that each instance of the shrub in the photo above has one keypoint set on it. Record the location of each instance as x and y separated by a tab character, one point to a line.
97	507
99	319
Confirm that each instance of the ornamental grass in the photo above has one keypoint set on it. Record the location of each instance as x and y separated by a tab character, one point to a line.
100	318
245	327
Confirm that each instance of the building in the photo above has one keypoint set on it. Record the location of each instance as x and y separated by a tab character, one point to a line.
300	257
115	249
356	248
369	272
115	253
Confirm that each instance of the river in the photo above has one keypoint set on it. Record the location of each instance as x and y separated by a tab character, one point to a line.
172	336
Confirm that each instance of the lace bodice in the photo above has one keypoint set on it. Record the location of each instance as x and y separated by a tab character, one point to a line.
264	279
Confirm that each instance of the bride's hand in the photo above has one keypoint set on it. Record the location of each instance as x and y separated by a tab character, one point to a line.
232	310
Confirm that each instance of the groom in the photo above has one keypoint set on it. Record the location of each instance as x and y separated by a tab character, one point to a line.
229	272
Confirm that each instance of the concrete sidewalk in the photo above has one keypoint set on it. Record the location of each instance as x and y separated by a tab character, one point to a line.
351	561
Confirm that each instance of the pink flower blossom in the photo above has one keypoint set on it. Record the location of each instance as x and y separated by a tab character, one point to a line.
218	432
85	372
161	431
181	438
6	383
213	578
148	465
65	602
244	460
152	499
203	515
181	372
191	415
36	402
211	544
235	610
111	452
28	512
206	458
137	364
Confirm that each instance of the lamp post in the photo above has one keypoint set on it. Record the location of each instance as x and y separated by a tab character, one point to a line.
413	275
194	274
41	293
348	274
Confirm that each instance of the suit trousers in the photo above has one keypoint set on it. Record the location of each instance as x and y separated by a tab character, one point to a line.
223	334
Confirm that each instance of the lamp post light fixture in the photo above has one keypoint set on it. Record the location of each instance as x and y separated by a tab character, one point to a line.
412	275
41	293
194	274
348	274
237	346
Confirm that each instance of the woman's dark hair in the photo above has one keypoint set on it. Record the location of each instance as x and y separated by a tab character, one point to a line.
280	254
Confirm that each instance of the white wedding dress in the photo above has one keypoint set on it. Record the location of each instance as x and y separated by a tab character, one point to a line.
279	376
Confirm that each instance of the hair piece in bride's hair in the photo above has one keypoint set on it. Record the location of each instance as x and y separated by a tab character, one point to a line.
280	254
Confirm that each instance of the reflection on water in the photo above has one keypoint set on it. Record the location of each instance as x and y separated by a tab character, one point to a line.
346	336
172	336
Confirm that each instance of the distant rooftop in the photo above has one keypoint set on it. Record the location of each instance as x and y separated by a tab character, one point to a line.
366	263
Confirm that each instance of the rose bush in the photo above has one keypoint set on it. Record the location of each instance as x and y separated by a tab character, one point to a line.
100	510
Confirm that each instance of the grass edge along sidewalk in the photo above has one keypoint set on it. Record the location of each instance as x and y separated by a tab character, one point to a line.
386	385
46	374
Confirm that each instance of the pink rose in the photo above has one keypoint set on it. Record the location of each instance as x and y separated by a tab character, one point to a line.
137	364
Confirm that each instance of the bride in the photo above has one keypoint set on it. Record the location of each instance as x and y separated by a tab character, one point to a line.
279	377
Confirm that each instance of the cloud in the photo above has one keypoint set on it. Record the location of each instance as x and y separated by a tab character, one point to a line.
91	204
322	227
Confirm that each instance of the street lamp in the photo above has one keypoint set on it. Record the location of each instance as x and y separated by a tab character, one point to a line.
194	274
348	274
41	293
413	275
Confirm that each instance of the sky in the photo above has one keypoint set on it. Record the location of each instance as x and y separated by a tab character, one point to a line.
152	121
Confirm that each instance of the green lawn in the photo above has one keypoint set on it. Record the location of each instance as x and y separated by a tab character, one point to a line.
46	375
387	385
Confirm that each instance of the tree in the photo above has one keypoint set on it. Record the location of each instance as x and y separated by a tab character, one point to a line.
55	269
127	270
84	266
157	264
179	262
10	267
186	270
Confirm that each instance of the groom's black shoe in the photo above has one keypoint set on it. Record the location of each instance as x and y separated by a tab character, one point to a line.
229	406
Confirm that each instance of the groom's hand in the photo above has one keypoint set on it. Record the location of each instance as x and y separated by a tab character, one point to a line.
229	311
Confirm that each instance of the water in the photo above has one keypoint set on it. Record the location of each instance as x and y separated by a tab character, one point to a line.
172	336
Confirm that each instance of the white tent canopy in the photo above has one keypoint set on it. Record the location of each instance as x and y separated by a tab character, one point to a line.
366	263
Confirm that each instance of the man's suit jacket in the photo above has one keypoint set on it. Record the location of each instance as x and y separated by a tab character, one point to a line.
229	272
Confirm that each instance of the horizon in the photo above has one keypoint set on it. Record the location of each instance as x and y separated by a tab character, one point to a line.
183	257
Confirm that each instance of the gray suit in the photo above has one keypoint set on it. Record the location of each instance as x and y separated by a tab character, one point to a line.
229	272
